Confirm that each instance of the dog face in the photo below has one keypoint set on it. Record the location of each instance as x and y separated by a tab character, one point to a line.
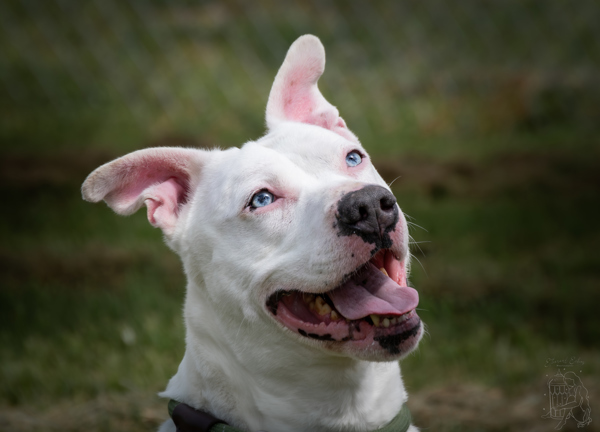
295	233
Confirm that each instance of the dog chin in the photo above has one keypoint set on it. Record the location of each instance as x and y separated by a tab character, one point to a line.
371	315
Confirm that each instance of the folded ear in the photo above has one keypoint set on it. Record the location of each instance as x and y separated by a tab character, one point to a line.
159	177
295	95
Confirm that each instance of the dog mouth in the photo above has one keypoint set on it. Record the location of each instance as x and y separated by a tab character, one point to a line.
372	307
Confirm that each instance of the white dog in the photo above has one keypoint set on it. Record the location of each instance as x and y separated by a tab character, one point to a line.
296	255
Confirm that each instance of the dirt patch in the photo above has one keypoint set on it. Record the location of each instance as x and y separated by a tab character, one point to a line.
65	167
22	170
469	407
506	173
556	174
130	412
92	265
453	407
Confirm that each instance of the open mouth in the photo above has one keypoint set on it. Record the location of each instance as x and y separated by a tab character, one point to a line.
372	306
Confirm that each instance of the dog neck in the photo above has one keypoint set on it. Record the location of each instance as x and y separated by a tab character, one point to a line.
255	377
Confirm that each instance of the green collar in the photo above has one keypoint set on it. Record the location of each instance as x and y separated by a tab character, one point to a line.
400	423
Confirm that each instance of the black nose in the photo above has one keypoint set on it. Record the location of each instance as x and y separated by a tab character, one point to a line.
370	212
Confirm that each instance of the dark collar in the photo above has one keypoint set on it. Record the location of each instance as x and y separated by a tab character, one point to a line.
188	419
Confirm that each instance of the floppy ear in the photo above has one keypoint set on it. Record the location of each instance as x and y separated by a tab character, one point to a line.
159	177
295	95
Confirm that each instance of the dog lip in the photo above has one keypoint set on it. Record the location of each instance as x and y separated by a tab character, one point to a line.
393	331
383	259
361	334
378	258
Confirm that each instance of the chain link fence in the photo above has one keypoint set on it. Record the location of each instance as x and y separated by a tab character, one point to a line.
426	67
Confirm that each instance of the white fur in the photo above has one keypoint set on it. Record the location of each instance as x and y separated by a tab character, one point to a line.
240	364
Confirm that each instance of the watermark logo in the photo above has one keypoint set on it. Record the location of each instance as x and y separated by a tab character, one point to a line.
566	395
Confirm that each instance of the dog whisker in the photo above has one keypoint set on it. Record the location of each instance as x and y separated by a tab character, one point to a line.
421	264
392	182
415	225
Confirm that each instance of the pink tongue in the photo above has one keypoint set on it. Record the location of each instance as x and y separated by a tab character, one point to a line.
372	292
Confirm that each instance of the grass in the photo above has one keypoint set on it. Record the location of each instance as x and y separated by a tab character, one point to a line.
91	302
502	177
507	258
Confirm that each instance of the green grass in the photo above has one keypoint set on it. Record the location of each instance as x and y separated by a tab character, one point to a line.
507	277
508	262
507	270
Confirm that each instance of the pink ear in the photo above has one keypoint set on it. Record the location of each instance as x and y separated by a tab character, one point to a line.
158	177
295	95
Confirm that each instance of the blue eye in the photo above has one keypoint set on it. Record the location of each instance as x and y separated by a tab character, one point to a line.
262	199
353	158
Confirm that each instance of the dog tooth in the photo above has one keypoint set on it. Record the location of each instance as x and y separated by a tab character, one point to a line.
322	307
382	270
334	315
325	309
385	322
312	306
394	321
375	319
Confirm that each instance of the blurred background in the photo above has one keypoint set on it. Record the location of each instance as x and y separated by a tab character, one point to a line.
484	114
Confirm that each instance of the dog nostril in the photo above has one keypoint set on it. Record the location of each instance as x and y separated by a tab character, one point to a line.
363	212
386	203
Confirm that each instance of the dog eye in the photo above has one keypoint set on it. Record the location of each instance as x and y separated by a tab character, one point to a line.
353	158
262	199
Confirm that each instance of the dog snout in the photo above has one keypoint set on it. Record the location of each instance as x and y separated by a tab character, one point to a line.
370	213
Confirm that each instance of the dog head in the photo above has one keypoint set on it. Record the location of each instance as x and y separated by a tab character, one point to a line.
295	233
